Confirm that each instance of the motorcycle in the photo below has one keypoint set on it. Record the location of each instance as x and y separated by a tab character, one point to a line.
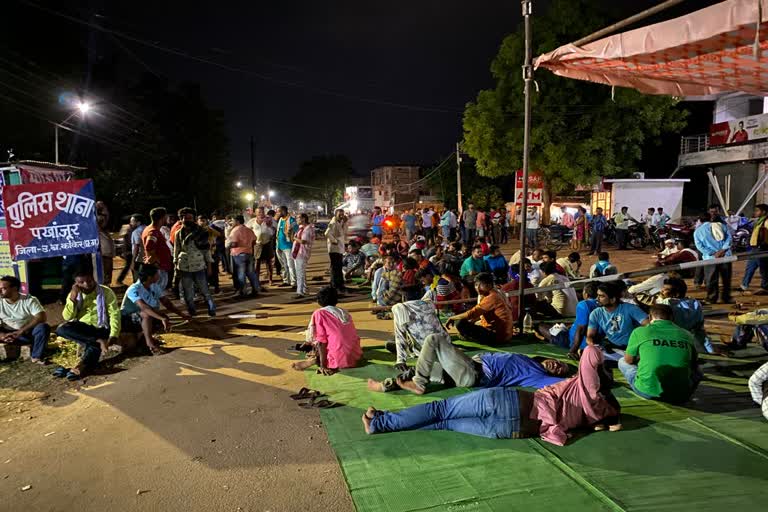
742	237
682	233
638	238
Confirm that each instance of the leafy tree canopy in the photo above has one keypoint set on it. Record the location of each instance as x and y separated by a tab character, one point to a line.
579	132
322	178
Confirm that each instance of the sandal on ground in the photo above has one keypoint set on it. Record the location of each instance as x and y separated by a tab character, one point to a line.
305	393
156	351
60	372
319	404
72	376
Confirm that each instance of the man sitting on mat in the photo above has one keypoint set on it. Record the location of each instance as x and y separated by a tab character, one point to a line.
504	413
575	339
613	322
494	311
687	313
443	363
660	360
333	334
556	303
140	311
92	320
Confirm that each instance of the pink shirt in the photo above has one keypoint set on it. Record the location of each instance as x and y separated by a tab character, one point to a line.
243	239
343	344
307	235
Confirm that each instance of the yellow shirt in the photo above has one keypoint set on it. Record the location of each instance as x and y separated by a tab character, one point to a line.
89	314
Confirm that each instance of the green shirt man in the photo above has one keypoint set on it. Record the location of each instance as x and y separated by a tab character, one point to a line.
667	360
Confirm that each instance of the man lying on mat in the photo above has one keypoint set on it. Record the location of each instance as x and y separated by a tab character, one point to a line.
503	413
443	363
333	334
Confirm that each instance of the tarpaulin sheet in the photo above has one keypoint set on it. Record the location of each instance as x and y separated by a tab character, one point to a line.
706	52
667	458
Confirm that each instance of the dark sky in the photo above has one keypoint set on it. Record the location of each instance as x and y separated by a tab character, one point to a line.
426	53
382	82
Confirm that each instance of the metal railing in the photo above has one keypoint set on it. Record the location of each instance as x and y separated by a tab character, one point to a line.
694	144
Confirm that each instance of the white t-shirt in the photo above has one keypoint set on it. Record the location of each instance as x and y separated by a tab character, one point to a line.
14	316
533	220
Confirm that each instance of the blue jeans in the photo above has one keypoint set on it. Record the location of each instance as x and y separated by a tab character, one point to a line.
86	336
199	279
446	233
244	268
533	237
752	266
38	338
630	373
492	412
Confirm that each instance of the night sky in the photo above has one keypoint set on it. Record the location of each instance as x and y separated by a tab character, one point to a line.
382	82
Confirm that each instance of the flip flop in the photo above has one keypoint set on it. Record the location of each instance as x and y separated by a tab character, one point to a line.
319	404
306	393
60	372
72	376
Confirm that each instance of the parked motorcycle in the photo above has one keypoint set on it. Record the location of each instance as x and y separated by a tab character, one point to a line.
639	239
682	233
742	237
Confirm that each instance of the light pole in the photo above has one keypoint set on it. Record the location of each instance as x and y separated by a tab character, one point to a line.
82	108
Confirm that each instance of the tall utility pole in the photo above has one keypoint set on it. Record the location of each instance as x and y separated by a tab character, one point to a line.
458	176
527	6
253	168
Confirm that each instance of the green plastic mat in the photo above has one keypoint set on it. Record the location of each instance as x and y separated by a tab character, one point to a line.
709	455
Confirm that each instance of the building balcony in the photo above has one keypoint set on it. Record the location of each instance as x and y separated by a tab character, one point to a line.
695	150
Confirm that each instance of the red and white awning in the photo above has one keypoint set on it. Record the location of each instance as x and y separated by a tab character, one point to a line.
722	48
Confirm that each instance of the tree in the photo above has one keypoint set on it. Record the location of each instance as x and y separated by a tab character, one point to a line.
484	192
322	178
579	132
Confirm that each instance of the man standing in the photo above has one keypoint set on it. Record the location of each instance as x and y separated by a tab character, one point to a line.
660	361
532	226
140	311
470	224
566	219
136	228
286	229
92	316
446	219
622	219
758	241
22	318
409	223
156	251
377	222
713	240
240	243
192	260
597	228
336	237
426	223
263	249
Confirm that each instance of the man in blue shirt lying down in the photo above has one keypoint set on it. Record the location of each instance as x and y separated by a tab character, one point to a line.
443	363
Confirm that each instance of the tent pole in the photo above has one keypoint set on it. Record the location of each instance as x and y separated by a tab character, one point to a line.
527	6
628	21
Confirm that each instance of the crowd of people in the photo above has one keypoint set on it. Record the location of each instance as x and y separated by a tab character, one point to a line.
430	265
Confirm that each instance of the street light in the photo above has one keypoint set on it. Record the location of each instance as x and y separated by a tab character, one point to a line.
239	184
249	197
271	193
82	109
262	197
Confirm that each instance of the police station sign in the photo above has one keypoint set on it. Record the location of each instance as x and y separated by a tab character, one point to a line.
51	219
535	189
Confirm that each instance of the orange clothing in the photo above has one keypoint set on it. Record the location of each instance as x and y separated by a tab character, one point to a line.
495	313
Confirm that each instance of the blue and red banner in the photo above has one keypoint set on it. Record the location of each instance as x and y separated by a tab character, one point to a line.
45	220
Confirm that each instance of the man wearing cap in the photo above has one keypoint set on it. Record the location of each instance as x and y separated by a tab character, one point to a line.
670	247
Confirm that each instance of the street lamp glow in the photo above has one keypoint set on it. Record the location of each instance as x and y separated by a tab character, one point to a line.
249	197
319	208
262	197
271	193
239	184
84	107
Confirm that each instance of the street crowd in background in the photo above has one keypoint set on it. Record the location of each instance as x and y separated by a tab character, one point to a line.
411	261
